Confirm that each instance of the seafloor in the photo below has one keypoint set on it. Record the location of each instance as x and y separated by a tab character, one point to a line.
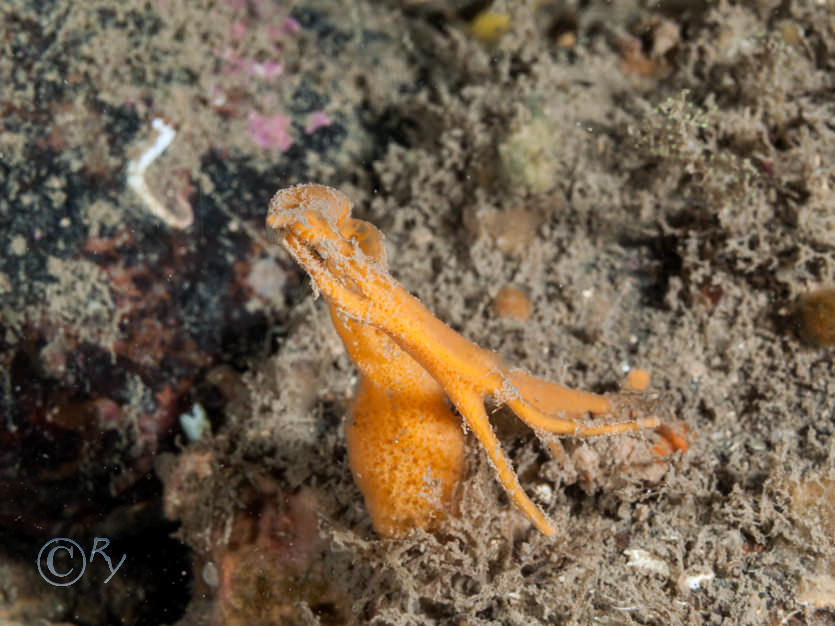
653	179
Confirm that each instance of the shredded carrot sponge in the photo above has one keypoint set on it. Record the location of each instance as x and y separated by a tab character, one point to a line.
402	435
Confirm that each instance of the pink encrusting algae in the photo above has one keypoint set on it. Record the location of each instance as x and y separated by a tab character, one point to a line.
270	131
317	120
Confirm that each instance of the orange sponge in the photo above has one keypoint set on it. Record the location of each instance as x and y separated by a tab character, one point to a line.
401	434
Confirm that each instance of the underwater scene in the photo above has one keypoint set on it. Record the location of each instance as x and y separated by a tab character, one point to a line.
417	312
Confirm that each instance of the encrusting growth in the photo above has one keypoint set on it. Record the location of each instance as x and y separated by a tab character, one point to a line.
402	435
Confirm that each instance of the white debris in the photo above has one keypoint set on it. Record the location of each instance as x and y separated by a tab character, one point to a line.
195	424
692	582
136	177
647	561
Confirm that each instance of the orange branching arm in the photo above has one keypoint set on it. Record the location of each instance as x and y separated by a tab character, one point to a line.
404	351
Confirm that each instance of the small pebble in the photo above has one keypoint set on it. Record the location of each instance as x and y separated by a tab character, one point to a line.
210	574
816	316
512	302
